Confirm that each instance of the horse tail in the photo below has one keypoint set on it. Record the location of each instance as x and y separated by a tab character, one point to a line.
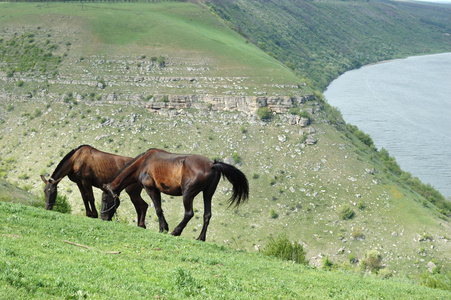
237	179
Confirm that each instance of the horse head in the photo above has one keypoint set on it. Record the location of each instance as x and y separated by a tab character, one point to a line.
50	191
110	202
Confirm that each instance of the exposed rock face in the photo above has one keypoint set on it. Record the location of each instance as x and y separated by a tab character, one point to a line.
247	104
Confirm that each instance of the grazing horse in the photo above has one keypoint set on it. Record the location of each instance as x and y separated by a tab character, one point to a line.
88	167
184	175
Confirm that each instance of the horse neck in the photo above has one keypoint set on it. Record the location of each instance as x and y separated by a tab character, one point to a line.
63	169
126	176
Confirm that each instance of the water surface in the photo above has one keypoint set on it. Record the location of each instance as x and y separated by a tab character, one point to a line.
405	106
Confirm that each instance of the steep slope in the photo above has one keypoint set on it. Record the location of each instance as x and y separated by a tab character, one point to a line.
47	255
113	91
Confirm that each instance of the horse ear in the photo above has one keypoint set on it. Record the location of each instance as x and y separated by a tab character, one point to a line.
53	181
43	179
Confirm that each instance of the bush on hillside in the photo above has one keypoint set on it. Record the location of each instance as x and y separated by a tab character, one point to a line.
372	261
264	113
327	264
273	214
284	249
346	213
61	204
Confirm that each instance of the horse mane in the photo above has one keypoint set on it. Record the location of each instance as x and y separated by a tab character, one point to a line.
127	165
67	157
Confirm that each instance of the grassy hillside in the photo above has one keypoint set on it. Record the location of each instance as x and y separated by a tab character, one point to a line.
98	90
47	255
295	189
137	49
322	39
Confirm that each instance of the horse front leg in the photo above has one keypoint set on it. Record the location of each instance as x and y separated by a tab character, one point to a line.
155	195
88	199
134	191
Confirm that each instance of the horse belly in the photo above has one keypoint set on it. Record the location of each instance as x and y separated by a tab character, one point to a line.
170	190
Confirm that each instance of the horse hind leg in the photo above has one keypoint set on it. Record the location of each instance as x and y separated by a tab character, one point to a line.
208	195
189	213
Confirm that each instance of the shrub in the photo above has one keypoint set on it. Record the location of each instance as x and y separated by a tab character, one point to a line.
357	232
352	258
273	214
385	273
372	261
161	61
62	205
282	248
327	264
24	176
264	113
346	213
236	158
361	205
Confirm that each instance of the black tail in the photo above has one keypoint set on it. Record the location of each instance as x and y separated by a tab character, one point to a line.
238	181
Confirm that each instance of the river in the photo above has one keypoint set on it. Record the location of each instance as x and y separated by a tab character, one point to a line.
405	106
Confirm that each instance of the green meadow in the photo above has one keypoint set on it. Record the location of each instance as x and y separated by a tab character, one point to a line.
49	255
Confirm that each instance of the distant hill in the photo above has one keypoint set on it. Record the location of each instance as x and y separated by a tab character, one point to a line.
322	39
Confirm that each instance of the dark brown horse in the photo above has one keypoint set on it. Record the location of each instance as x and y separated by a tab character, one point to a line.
184	175
89	167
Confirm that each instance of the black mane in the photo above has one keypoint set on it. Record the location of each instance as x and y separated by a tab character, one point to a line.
68	156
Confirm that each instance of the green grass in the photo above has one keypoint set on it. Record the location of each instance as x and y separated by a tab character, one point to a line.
51	255
152	29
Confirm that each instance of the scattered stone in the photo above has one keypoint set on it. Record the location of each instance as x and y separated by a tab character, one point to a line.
282	138
431	266
310	140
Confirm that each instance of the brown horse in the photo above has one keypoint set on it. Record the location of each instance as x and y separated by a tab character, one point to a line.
89	167
184	175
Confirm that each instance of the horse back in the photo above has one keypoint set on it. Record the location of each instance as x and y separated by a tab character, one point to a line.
96	166
172	172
